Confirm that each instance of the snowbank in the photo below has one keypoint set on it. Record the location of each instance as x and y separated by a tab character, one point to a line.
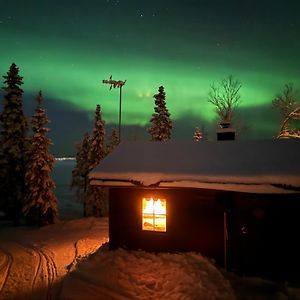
125	274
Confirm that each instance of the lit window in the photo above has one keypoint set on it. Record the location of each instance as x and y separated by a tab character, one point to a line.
154	214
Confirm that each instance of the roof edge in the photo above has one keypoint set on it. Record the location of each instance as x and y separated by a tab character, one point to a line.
258	188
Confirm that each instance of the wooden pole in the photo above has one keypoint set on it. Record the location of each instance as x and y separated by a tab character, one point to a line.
117	84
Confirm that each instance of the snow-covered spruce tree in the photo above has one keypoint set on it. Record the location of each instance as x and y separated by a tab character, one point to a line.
13	145
40	204
161	123
197	135
95	200
289	108
81	170
112	142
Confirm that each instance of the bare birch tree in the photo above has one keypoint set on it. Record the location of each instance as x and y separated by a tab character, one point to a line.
289	108
225	97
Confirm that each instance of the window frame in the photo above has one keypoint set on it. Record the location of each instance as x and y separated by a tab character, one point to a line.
155	216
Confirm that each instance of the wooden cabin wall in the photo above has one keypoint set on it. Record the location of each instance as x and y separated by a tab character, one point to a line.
194	221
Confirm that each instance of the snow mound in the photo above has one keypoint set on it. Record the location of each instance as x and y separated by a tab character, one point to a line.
123	274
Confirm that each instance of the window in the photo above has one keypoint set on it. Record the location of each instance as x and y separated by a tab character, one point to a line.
154	214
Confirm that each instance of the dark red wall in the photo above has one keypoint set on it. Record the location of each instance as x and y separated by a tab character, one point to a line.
194	221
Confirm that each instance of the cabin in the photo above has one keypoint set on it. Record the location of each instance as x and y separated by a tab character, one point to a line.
237	202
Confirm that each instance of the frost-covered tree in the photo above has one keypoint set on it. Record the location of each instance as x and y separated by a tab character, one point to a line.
112	141
96	202
97	148
13	145
94	198
40	203
226	98
81	170
161	123
289	107
197	135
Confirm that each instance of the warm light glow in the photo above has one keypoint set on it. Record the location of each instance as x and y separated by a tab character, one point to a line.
154	214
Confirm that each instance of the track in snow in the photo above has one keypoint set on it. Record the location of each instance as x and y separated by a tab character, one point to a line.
5	267
45	274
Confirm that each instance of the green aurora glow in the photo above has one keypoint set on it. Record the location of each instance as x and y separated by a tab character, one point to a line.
69	63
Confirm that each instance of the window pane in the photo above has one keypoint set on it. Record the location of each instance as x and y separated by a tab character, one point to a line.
154	214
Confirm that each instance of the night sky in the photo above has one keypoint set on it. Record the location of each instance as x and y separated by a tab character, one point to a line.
66	49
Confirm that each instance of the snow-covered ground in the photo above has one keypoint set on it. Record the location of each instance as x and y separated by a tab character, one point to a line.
34	261
70	260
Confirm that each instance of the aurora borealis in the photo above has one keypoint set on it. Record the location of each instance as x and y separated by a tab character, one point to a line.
66	48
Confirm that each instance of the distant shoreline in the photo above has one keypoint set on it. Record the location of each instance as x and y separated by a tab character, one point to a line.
65	158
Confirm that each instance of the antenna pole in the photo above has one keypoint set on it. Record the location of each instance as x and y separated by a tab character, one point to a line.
116	84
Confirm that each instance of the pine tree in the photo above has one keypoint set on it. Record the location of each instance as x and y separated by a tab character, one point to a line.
97	151
81	170
13	145
40	203
94	199
197	135
112	142
161	127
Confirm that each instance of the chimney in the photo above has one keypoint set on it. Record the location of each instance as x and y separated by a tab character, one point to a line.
225	132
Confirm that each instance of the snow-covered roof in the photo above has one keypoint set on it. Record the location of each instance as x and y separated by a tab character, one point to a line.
265	166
